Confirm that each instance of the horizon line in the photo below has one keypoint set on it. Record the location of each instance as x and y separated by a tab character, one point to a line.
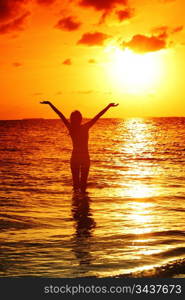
128	117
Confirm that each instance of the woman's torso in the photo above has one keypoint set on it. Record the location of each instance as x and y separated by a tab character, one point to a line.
80	137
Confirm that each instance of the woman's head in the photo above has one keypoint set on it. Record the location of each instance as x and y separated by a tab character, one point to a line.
76	118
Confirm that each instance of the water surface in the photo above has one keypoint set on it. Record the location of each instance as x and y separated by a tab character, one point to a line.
131	219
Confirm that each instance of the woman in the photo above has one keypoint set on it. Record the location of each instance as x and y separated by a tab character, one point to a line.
80	160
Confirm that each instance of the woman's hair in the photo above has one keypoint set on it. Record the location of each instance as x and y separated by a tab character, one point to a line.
76	118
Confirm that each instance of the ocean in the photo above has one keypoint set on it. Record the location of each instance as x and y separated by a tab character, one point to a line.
130	223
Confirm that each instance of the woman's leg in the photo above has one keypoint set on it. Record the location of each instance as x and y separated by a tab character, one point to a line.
75	170
84	175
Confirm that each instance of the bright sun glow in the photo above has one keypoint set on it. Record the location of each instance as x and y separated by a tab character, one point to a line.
132	72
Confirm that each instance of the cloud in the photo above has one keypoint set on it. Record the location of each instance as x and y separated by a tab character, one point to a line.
161	31
59	93
92	61
178	29
142	44
124	14
165	31
68	24
17	64
93	39
85	92
45	2
11	8
67	62
15	25
104	5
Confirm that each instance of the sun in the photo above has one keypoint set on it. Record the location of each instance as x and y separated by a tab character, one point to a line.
132	72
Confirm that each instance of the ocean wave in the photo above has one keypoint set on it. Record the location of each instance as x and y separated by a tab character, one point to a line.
178	251
164	233
10	149
170	269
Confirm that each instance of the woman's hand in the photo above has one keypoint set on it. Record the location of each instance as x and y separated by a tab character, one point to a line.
45	102
113	104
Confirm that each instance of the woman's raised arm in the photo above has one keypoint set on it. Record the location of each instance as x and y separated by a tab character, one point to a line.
63	118
95	119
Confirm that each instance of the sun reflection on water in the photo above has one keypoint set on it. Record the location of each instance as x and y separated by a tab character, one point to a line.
140	191
138	169
139	138
138	182
142	215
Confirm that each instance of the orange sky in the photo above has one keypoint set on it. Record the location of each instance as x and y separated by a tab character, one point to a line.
83	54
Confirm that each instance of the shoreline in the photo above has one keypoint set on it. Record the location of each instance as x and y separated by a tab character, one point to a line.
170	270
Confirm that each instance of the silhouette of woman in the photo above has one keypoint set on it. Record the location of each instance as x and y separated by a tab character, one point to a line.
80	160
